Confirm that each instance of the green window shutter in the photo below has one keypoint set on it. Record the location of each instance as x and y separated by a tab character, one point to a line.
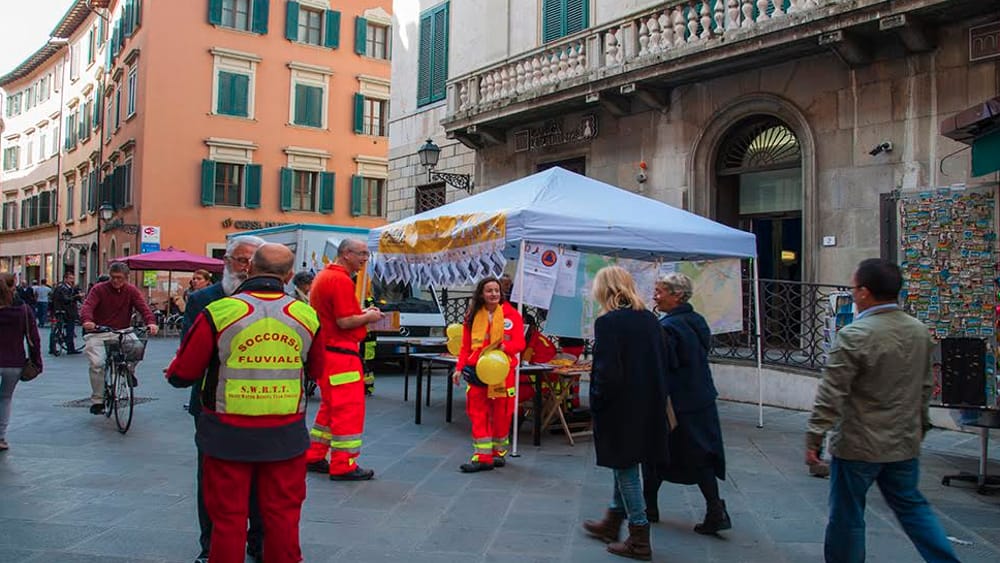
286	189
261	10
357	184
137	13
360	35
552	20
576	15
300	105
326	182
424	60
439	69
308	105
66	134
292	21
253	186
223	103
208	183
332	30
241	95
359	113
98	103
215	12
92	193
81	131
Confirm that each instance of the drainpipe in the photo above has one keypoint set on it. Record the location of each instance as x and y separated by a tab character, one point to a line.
64	42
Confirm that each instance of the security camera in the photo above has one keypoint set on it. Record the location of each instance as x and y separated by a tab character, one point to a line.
886	146
641	177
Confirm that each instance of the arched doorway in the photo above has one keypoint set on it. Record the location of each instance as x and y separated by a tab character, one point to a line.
759	189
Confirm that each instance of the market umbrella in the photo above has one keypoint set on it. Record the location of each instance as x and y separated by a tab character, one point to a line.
173	260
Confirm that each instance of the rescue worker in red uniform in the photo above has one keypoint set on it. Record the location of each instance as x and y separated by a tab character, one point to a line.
491	323
253	349
340	420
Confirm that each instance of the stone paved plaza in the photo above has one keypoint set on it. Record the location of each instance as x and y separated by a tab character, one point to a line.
76	490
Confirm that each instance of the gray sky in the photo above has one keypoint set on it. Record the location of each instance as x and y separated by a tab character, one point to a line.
25	27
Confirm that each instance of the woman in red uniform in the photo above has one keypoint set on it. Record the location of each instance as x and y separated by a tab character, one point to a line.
491	323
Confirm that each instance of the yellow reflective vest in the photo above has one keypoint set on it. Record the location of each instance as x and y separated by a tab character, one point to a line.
262	345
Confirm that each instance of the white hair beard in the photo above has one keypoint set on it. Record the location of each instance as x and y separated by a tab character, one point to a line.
232	280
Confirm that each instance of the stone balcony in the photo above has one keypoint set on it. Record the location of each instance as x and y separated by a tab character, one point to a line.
633	63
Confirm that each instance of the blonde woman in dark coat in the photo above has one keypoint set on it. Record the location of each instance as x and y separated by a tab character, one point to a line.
628	395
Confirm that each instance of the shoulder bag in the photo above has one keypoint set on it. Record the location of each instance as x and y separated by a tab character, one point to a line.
30	370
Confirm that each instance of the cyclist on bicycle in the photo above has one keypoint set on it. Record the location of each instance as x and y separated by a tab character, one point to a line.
110	304
65	299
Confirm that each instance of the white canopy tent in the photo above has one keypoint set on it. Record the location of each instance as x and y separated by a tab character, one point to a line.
470	238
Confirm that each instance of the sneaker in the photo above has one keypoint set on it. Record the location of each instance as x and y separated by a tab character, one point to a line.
4	445
357	475
321	466
499	461
97	409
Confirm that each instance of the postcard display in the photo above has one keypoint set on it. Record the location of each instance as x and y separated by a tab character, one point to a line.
948	257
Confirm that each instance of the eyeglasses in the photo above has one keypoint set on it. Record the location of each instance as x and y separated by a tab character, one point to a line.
361	252
241	260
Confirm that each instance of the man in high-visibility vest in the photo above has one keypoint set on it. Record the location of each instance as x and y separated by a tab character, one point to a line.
253	349
340	420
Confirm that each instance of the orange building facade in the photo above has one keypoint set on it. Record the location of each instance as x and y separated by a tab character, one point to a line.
221	116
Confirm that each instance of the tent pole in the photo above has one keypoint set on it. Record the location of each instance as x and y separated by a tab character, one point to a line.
517	368
760	344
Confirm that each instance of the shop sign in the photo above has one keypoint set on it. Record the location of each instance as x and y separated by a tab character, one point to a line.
34	259
984	41
243	225
552	133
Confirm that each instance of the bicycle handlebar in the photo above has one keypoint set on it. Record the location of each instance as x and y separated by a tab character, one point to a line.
104	329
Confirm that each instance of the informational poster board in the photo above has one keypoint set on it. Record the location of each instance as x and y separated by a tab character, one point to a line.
948	258
717	292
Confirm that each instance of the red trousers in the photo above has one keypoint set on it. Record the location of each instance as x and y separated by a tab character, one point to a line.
281	489
340	420
490	420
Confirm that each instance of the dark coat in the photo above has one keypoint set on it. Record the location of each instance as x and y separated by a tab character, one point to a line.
196	303
628	393
688	343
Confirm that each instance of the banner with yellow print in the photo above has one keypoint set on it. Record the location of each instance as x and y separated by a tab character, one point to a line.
443	251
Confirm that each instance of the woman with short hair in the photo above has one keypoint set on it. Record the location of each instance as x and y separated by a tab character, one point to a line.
696	443
628	397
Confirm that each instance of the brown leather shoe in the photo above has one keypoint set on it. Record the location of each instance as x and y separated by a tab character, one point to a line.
635	546
607	530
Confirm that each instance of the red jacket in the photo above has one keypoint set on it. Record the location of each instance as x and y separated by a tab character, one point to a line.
513	340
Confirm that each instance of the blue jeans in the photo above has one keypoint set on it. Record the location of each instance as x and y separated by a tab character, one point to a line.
42	312
849	484
628	495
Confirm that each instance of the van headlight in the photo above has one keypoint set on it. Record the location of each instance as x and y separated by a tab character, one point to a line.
437	331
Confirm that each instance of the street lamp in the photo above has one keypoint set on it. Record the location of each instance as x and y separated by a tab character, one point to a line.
429	155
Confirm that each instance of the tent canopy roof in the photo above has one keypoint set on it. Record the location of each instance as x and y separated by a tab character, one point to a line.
557	206
172	259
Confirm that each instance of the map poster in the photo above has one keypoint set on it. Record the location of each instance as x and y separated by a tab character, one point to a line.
718	293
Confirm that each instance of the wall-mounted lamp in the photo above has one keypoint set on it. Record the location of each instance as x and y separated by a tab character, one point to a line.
107	212
429	155
885	146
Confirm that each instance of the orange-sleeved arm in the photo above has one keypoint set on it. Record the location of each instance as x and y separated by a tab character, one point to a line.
463	356
513	339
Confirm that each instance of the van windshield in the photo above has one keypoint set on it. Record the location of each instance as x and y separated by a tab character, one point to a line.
399	296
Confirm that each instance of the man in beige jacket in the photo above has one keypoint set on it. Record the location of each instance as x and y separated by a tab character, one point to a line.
874	397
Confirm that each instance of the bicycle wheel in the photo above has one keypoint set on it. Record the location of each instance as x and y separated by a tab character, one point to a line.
123	398
109	388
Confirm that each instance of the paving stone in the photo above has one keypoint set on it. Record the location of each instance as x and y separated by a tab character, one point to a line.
67	470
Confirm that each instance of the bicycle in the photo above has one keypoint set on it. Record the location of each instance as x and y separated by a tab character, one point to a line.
58	337
121	357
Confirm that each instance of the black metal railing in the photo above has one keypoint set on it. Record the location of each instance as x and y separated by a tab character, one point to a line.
795	318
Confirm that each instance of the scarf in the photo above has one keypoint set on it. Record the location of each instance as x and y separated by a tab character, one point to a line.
483	328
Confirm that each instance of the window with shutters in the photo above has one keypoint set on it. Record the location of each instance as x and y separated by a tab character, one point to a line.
133	81
236	14
228	184
126	197
118	106
29	150
11	158
43	144
376	117
241	15
377	41
72	130
234	83
74	62
369	200
310	25
55	139
308	95
91	46
563	17
109	116
305	188
9	215
70	188
432	71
